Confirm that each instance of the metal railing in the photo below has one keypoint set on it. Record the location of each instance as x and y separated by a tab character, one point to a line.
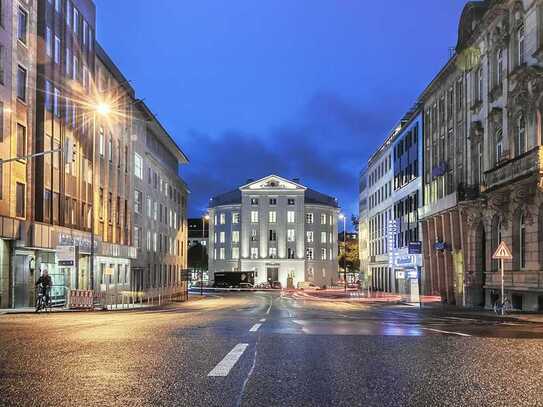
525	164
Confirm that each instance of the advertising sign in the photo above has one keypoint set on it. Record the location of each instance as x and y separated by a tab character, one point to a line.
415	247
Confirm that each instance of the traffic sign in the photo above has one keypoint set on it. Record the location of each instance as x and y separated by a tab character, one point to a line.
502	252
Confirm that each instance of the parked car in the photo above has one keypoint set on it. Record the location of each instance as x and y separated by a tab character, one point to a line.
277	285
246	285
263	285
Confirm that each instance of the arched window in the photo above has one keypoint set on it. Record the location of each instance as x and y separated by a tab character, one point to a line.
521	134
522	242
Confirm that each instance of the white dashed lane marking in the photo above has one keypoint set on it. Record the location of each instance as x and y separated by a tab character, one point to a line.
446	332
255	327
225	365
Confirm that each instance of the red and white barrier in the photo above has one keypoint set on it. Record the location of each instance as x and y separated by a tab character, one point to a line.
81	299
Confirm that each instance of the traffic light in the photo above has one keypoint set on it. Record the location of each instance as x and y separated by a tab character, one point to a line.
69	151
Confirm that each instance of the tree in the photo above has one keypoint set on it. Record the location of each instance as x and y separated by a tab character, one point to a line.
349	257
197	257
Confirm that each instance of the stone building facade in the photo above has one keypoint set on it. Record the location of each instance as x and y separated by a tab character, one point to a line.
482	174
278	228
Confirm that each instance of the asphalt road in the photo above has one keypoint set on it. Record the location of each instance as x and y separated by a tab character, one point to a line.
263	349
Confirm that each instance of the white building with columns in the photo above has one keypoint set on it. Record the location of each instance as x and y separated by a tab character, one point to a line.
278	228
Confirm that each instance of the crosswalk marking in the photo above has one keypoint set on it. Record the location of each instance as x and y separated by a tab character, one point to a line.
255	327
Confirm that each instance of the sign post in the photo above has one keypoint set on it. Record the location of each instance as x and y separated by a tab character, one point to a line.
502	253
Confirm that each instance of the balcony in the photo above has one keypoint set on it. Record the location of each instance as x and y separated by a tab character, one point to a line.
515	280
508	171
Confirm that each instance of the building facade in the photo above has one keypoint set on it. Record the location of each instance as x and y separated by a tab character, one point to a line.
278	228
160	207
55	80
390	191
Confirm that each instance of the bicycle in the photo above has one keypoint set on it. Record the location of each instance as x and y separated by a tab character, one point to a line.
501	308
43	301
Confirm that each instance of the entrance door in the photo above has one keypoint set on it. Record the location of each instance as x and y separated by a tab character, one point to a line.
272	274
21	275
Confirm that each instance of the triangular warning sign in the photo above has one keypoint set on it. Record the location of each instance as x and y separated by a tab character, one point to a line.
502	252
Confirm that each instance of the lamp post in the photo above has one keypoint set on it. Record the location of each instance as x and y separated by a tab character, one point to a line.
342	216
204	218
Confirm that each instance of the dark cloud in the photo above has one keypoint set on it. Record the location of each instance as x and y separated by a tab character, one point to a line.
325	147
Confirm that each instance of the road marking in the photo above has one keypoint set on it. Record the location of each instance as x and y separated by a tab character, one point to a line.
225	365
263	320
446	332
269	308
255	327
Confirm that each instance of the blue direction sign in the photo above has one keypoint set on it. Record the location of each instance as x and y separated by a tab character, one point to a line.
414	247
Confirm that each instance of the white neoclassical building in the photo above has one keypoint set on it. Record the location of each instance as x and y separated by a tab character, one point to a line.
278	228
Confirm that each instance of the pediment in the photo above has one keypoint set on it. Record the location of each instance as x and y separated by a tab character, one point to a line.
272	182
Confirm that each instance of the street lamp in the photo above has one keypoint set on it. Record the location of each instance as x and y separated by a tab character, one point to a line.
103	109
342	216
204	218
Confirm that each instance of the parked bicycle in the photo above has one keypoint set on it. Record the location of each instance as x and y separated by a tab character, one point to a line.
501	308
44	284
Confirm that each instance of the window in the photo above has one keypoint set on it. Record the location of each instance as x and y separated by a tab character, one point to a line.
21	141
138	166
254	216
291	201
323	253
21	83
273	252
137	242
291	217
323	219
291	235
309	218
20	200
68	12
254	235
110	150
521	135
75	68
235	217
235	236
291	254
221	253
273	235
272	217
323	237
273	201
138	201
57	50
22	25
235	253
101	141
57	6
75	20
48	42
254	252
309	253
56	97
254	201
222	237
309	237
84	32
520	45
155	242
499	146
522	242
499	67
222	218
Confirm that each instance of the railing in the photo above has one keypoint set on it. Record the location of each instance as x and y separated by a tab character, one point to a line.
523	165
516	279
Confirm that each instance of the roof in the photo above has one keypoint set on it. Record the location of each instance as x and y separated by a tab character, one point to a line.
311	196
115	71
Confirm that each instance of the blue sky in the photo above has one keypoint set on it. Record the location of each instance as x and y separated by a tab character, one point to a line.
301	88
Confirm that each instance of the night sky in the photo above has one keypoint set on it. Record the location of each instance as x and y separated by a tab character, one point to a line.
300	88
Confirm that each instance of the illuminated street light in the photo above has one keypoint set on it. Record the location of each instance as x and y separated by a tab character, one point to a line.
103	109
